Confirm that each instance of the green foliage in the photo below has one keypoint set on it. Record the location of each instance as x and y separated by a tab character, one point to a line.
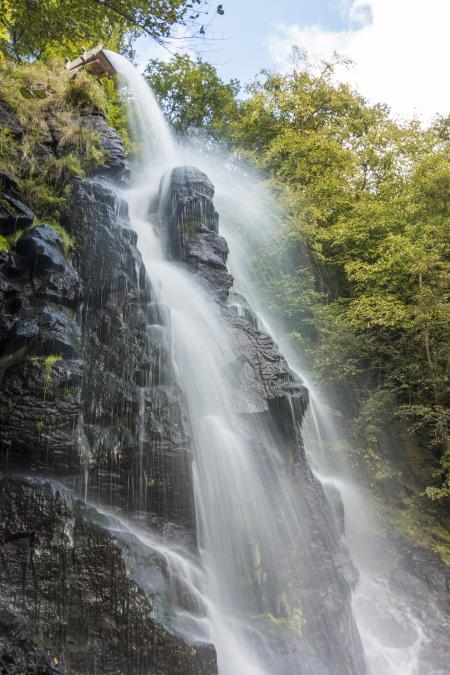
192	94
65	27
116	115
41	29
45	180
371	199
83	92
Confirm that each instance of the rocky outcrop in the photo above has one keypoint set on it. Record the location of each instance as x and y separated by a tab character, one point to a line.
40	355
88	395
95	595
422	577
132	407
116	166
190	227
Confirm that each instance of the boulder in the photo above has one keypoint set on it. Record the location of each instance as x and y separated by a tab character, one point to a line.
53	275
116	166
190	227
13	214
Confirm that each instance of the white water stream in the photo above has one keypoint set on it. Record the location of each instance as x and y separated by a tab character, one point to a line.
236	506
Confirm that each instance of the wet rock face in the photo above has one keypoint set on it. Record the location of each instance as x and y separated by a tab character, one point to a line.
190	227
422	577
116	166
40	355
132	407
19	652
85	587
13	214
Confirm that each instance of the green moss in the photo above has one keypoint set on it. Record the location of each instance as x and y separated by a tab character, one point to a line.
49	362
293	623
67	240
59	172
4	245
190	227
422	527
38	93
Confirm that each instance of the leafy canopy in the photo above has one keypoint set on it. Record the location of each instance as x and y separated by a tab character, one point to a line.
37	28
192	95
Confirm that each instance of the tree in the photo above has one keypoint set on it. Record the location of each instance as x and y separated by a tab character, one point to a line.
192	95
32	28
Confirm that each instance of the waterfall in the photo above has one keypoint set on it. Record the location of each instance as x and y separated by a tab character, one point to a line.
264	540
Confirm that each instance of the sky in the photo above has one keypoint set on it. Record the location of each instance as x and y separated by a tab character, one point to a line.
399	48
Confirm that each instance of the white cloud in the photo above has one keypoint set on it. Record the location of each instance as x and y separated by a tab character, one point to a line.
399	48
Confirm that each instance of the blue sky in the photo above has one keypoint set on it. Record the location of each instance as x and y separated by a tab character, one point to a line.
235	42
239	51
399	48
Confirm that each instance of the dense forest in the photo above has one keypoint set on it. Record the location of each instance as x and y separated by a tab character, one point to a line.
364	208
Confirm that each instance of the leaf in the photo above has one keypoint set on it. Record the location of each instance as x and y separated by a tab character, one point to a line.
26	93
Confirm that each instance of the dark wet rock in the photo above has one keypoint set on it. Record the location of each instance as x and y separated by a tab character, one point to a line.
40	409
187	196
239	306
20	652
132	407
190	229
106	258
45	330
53	276
89	588
9	120
7	183
40	349
13	214
116	165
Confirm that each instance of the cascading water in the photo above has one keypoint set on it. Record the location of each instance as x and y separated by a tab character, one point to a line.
392	632
257	537
254	546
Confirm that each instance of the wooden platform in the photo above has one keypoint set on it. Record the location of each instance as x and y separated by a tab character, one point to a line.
95	60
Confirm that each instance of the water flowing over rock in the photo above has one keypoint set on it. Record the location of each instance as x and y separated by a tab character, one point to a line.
86	587
132	408
272	401
89	393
